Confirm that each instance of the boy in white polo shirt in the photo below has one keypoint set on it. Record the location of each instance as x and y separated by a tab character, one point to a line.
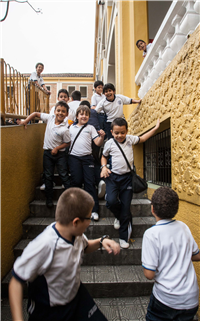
37	78
56	139
168	250
112	105
51	265
81	161
119	178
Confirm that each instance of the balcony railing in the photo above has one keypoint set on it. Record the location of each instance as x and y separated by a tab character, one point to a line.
180	21
18	99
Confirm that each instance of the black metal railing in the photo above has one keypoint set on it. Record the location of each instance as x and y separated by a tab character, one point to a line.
157	159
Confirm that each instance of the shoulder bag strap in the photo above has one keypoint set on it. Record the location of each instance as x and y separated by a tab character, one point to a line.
77	137
129	166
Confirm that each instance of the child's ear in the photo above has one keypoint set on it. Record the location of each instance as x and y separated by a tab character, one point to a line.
75	221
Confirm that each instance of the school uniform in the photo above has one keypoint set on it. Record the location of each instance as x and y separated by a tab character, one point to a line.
81	161
55	135
73	105
96	98
119	183
35	77
51	265
113	109
167	249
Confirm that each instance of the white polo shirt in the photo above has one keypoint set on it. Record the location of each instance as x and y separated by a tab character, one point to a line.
54	263
73	105
118	163
147	49
167	249
55	135
96	98
71	114
113	109
83	144
34	77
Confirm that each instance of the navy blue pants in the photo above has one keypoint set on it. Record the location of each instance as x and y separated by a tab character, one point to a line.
81	308
118	200
108	130
82	172
158	311
49	162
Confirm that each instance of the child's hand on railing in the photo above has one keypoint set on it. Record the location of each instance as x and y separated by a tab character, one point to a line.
22	122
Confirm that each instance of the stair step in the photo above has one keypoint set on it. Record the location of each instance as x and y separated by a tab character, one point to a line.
130	256
35	225
58	190
139	207
107	281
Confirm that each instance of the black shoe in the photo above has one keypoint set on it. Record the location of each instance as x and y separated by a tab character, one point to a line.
49	203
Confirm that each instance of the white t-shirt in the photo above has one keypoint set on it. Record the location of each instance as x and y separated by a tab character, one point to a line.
118	163
55	135
113	109
167	249
73	105
55	261
83	144
71	114
34	77
96	98
147	49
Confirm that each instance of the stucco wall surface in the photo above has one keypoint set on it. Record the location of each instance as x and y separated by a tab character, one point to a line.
21	167
176	94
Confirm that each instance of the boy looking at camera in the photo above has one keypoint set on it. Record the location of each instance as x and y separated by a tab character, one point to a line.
112	105
142	46
51	265
118	177
56	139
168	250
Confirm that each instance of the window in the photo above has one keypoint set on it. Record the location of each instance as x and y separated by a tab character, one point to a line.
48	88
71	89
83	91
157	159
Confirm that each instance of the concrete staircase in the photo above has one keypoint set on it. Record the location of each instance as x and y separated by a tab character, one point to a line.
116	282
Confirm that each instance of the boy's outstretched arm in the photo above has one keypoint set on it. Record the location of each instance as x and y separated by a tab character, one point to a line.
149	134
110	246
16	299
136	101
29	118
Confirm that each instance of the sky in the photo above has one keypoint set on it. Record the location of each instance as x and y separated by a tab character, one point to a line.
62	37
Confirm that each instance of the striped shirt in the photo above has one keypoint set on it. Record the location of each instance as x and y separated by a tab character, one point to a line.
55	135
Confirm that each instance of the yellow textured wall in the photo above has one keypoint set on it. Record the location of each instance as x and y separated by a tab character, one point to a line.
21	167
176	95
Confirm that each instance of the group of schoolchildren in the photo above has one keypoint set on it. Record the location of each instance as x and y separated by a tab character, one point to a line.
51	263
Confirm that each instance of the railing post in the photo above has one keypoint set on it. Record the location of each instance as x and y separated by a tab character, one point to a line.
32	97
2	92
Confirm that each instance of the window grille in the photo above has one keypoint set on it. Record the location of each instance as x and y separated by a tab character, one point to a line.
157	159
83	91
71	89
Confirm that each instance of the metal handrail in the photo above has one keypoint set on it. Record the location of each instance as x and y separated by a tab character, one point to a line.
18	97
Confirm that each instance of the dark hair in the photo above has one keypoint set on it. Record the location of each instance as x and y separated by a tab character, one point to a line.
62	103
108	86
74	202
39	63
84	109
85	102
98	83
119	122
139	41
76	95
165	202
64	91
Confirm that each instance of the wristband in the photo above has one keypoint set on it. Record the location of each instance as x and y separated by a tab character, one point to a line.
101	240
